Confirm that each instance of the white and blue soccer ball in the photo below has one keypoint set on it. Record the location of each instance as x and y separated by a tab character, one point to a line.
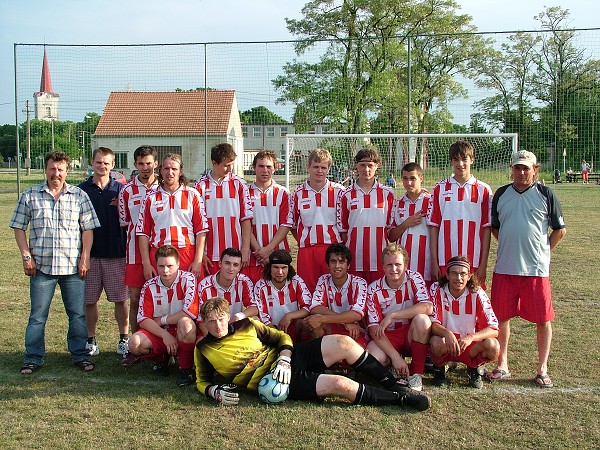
272	391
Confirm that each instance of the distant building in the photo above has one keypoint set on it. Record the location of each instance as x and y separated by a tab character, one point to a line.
271	136
46	100
186	123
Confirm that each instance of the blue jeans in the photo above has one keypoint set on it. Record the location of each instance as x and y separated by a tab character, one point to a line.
41	290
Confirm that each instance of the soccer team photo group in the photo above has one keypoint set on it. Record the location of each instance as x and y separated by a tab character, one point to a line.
368	292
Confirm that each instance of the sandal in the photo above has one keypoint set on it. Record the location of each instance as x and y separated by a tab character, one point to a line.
543	381
85	364
29	368
498	374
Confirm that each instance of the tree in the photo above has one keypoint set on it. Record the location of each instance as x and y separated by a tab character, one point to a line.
8	141
442	47
260	114
364	39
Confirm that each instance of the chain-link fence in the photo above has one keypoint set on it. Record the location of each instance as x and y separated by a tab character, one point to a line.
543	85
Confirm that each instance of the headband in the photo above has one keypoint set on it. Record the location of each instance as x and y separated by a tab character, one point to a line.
464	264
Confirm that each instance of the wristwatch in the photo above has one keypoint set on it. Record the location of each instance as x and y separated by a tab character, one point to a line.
26	257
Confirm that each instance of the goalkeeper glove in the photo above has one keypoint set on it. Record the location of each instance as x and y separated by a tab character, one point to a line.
283	370
224	394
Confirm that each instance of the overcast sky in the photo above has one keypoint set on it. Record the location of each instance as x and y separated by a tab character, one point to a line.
178	21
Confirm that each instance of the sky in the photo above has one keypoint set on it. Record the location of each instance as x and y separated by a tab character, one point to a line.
199	21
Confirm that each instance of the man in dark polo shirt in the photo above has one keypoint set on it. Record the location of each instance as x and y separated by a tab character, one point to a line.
107	262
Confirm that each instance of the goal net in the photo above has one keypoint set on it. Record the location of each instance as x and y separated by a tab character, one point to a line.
430	151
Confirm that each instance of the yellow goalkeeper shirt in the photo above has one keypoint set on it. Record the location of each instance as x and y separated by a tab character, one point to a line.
243	356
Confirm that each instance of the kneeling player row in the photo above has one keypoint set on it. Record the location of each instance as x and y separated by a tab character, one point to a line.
396	309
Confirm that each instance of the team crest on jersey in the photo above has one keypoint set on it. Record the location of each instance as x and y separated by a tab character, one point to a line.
160	205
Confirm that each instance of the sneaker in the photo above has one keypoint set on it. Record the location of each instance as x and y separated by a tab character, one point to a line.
415	382
129	359
439	376
186	377
475	380
418	401
122	347
92	348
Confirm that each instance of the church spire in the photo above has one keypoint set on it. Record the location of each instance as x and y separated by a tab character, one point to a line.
46	83
46	100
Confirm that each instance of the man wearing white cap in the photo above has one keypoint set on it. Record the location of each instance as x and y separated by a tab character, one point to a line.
522	213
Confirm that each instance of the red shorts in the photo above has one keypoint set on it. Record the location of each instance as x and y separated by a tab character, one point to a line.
464	358
337	328
106	274
134	275
527	297
399	339
158	346
368	275
255	273
186	257
311	264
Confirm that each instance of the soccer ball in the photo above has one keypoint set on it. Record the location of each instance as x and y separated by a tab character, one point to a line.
272	391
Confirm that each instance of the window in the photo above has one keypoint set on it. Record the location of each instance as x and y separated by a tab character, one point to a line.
270	131
120	160
245	131
283	131
256	131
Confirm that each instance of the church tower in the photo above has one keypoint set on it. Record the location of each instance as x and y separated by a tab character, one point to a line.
46	101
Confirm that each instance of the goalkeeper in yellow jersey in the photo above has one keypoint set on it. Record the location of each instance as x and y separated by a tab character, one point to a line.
241	353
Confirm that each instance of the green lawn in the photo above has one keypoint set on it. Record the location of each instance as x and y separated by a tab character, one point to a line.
114	407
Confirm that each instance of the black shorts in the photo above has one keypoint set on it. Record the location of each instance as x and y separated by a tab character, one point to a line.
307	365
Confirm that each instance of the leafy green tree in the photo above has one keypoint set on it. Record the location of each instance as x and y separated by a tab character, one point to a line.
8	141
260	114
351	78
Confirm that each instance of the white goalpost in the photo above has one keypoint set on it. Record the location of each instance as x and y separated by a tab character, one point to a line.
430	151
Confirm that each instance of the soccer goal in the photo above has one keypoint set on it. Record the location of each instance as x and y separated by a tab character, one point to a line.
430	151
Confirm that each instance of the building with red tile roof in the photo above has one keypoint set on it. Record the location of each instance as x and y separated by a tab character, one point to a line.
188	123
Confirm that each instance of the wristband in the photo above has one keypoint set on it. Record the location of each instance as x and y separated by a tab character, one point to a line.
284	358
163	320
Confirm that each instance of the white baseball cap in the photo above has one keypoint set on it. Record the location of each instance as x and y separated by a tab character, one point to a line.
524	158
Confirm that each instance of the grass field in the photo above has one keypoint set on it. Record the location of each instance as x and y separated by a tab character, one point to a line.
114	407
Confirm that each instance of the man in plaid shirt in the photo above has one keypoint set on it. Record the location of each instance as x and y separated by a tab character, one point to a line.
60	218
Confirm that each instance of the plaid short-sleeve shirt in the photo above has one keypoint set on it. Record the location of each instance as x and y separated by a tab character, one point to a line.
55	226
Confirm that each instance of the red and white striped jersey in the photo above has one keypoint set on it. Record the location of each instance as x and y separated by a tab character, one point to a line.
157	300
469	313
314	214
240	294
173	219
227	206
383	300
461	212
131	198
366	217
351	297
275	303
271	210
414	239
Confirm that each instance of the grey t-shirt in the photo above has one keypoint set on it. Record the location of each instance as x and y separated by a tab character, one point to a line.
523	220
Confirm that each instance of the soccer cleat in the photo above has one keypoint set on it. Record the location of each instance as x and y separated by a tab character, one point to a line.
413	400
415	382
92	348
439	376
475	380
122	347
186	377
162	368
